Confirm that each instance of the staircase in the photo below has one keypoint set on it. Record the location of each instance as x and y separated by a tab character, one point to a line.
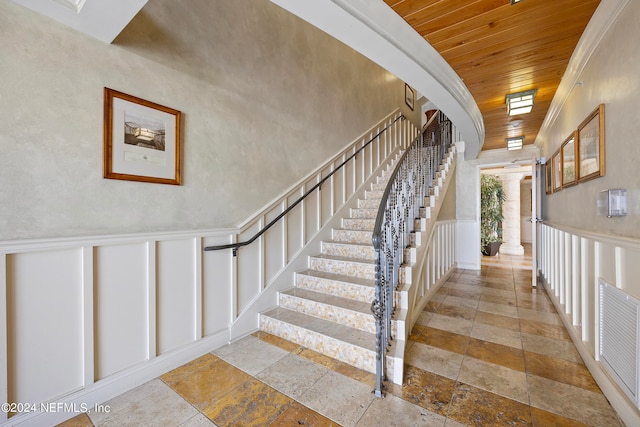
328	309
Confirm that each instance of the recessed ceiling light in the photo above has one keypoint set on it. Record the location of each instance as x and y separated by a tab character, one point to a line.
515	1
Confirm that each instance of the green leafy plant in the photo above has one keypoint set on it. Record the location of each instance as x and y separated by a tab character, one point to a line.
492	197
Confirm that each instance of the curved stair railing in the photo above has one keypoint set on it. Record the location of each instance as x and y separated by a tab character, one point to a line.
405	194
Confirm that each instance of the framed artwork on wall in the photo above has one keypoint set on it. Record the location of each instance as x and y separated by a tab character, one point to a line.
569	148
556	162
141	140
591	146
548	177
409	96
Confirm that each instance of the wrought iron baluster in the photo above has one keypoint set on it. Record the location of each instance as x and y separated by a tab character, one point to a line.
405	194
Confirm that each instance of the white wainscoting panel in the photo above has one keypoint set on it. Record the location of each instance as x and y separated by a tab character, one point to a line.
295	226
218	301
122	301
176	294
468	244
275	248
313	209
606	257
326	198
588	248
572	263
44	324
629	270
337	185
576	289
250	274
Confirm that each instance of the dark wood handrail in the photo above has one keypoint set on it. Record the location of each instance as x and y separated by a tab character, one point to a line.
236	246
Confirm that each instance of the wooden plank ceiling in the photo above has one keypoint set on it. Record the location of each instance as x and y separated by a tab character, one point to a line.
499	48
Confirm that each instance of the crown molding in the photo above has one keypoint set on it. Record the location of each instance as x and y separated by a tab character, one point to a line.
101	19
374	30
602	20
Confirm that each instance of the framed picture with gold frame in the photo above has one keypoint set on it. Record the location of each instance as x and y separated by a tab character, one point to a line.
591	146
141	140
548	177
409	96
556	167
569	149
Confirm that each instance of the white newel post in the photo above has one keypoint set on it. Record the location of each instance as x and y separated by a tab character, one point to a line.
511	211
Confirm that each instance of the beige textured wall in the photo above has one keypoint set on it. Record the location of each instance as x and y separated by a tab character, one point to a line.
610	77
448	208
265	97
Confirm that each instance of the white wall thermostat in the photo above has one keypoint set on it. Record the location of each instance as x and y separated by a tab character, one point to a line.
612	202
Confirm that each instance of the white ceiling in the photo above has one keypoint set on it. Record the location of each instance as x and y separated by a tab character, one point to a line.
102	19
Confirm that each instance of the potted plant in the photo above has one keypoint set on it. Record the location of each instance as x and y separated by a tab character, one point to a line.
492	198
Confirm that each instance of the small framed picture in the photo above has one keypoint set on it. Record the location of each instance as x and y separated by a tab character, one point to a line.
556	164
569	148
141	140
409	96
548	177
591	146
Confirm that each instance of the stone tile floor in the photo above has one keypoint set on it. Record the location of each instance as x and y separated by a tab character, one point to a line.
488	350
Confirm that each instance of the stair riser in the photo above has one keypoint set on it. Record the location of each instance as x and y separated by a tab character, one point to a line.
358	224
340	289
353	236
355	356
386	174
348	251
333	287
345	268
362	321
369	203
379	186
364	213
357	320
374	194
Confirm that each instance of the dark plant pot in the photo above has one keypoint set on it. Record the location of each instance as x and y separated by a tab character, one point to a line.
491	249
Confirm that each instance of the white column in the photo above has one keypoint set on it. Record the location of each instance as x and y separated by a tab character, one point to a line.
511	211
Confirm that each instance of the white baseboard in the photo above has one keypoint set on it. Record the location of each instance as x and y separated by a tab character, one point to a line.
467	266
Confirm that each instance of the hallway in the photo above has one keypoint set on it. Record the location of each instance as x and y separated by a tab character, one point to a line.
487	351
